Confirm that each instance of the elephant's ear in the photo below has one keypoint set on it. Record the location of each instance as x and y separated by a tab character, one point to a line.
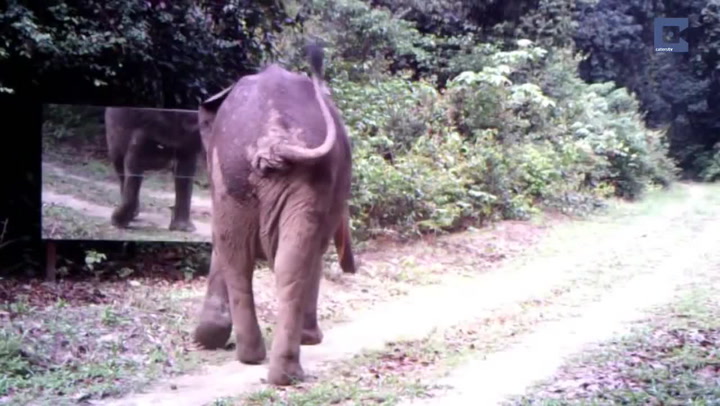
207	111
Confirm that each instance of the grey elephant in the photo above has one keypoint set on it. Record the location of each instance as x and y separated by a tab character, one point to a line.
143	139
280	167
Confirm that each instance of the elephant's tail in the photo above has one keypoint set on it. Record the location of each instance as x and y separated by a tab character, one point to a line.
295	152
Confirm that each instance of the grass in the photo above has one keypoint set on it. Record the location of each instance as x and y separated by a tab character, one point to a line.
97	193
60	222
671	358
108	195
360	380
61	352
90	183
170	310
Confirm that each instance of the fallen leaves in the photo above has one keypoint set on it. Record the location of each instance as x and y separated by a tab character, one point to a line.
660	366
39	294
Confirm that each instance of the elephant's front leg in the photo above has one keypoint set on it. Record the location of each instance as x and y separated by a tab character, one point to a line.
119	165
130	203
215	324
185	168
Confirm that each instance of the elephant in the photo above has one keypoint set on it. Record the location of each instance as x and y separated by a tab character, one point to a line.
280	167
142	139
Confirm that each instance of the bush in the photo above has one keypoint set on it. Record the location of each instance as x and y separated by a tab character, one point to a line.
709	161
63	122
522	133
389	114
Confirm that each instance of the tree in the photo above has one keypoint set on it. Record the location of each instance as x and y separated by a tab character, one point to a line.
156	53
679	89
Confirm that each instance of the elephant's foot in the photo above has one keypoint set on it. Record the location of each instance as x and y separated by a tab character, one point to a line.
123	215
311	336
212	336
182	225
283	372
251	353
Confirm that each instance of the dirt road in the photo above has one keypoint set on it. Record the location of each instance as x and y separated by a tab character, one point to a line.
507	327
78	202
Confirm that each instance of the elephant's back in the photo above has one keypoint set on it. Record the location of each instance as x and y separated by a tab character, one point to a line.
173	128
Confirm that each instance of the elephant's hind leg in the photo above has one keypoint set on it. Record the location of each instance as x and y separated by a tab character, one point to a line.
235	238
296	265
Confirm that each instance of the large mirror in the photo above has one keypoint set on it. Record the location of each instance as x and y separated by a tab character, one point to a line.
123	173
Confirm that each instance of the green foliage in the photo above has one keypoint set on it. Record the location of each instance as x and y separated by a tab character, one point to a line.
93	258
70	123
13	362
490	99
614	131
709	164
552	23
521	133
390	114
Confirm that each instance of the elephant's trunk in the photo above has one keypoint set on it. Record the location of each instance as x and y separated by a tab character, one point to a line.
297	153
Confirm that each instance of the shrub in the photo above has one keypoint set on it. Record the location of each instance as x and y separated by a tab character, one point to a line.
521	133
709	161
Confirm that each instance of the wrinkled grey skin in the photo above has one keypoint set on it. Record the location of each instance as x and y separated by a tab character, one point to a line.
280	165
144	139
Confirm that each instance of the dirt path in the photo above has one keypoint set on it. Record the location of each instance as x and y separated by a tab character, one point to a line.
642	247
66	194
197	201
491	380
144	220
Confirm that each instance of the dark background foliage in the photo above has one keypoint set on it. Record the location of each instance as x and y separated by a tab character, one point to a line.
677	89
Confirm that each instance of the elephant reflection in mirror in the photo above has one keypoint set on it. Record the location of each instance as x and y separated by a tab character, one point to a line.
145	139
